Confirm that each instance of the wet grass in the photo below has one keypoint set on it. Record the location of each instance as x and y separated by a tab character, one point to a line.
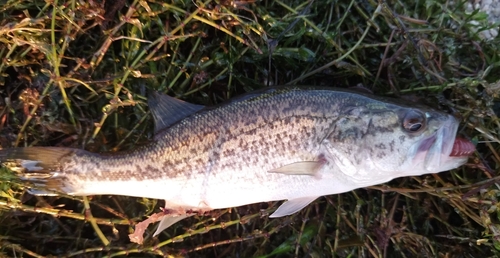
75	73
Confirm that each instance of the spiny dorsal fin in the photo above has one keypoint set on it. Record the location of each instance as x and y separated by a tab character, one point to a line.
168	111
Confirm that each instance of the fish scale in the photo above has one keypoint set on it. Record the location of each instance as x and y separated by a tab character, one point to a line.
284	143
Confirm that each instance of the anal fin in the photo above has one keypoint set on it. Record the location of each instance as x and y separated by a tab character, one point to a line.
292	206
168	221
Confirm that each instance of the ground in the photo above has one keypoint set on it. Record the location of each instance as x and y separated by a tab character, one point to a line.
77	73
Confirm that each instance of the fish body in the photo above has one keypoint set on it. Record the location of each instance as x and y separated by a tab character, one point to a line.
292	144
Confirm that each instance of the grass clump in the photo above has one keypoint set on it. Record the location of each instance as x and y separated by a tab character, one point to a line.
74	73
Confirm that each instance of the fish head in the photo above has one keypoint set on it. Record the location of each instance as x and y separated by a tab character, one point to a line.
374	145
429	138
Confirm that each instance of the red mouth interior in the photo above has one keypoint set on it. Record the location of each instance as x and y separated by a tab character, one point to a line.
462	147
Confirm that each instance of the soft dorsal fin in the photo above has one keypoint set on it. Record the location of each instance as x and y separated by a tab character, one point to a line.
168	111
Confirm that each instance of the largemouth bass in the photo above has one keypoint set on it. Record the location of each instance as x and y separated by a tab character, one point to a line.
294	144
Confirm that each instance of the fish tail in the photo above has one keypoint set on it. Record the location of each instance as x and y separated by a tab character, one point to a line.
41	167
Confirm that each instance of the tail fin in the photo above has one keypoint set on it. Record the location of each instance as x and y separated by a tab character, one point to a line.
41	166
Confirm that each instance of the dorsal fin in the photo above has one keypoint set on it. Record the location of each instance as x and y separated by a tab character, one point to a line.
168	111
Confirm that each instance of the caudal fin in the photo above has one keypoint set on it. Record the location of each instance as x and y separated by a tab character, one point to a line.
41	166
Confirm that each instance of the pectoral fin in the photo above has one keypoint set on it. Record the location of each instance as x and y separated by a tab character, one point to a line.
292	206
300	168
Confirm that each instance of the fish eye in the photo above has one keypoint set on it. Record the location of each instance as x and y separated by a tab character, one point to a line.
414	121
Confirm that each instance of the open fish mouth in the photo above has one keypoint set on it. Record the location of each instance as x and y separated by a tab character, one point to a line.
444	150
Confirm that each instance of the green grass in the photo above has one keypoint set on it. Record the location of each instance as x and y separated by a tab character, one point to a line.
74	73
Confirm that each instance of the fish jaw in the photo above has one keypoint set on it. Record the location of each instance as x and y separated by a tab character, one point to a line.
443	150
